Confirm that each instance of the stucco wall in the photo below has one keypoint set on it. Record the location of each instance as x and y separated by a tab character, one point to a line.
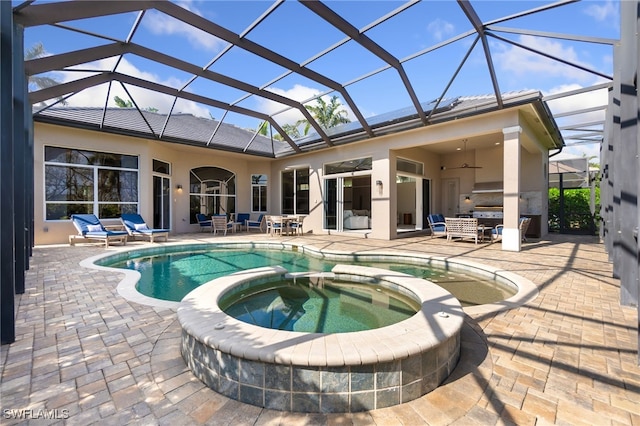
384	150
181	157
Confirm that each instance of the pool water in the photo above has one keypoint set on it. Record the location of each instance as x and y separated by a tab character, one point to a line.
468	288
317	305
170	276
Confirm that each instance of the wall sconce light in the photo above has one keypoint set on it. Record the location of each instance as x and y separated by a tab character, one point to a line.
179	187
467	199
378	183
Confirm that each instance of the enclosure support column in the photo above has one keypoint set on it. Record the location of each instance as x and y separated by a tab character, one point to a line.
625	167
630	134
7	240
511	232
19	160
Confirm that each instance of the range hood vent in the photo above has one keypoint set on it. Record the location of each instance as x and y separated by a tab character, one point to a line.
483	187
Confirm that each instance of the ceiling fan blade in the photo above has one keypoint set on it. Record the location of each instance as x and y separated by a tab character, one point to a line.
464	166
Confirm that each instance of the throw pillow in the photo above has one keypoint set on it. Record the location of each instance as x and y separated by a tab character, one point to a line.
140	226
94	228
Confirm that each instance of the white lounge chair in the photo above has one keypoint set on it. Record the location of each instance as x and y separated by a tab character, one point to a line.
90	228
135	225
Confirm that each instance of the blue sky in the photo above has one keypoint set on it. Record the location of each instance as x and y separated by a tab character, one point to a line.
297	33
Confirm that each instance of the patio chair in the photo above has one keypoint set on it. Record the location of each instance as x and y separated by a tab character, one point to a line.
255	224
275	224
204	222
221	224
496	233
242	218
437	225
135	225
90	228
295	226
524	226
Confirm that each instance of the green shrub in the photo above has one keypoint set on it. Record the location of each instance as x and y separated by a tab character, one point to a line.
576	209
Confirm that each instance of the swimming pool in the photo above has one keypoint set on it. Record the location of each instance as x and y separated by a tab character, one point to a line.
170	273
285	370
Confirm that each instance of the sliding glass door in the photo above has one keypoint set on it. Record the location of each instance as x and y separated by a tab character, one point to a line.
347	194
347	203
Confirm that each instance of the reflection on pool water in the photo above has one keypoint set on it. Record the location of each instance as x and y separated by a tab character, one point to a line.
170	276
317	304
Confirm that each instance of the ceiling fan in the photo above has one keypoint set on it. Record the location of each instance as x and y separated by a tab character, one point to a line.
464	165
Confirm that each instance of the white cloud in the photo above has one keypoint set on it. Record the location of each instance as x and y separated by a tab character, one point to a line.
440	28
576	102
520	62
95	96
297	92
582	101
160	24
606	12
591	151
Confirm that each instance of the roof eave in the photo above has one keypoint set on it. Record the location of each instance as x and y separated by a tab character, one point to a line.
142	135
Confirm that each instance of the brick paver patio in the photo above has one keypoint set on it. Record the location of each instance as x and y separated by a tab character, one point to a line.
88	356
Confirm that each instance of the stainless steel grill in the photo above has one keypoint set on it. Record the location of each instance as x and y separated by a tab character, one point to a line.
492	212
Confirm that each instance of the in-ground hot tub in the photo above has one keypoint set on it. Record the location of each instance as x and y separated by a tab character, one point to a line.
316	372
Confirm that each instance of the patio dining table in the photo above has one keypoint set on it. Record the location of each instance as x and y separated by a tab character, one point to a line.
286	223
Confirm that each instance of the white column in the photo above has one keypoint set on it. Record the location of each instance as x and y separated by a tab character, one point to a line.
511	203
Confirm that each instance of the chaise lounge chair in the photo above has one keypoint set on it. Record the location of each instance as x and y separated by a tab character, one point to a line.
90	228
136	227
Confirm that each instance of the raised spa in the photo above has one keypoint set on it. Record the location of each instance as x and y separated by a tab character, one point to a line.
317	303
322	372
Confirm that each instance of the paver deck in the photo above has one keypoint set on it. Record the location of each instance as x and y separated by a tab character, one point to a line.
569	357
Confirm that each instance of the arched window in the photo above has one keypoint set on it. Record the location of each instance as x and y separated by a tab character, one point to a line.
212	190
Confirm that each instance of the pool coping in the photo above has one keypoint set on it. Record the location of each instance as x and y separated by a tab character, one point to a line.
438	319
527	290
322	372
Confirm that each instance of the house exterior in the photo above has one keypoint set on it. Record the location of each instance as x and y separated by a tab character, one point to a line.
473	156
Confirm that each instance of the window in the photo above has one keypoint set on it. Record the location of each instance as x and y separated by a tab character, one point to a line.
295	191
212	190
80	181
161	167
408	166
357	165
259	193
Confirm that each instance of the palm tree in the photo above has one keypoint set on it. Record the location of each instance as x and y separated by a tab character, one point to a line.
40	82
121	103
327	115
291	130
